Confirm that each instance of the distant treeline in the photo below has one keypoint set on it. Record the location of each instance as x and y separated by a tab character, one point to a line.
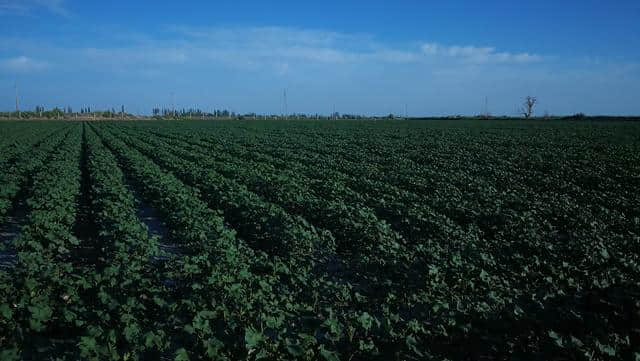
39	112
195	113
574	117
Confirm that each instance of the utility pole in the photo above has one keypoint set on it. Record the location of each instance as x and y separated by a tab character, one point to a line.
285	104
406	112
173	104
17	104
486	106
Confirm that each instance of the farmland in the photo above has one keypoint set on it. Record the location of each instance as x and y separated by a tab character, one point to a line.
331	240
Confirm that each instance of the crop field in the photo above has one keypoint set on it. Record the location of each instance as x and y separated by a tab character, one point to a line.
320	240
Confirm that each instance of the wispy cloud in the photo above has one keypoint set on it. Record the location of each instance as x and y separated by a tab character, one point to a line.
267	36
277	50
22	64
138	55
13	7
475	54
265	45
28	7
366	74
270	47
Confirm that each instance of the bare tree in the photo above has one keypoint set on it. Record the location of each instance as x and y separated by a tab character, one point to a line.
527	106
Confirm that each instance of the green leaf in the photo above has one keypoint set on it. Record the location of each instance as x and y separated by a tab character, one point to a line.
293	348
10	355
5	310
181	355
159	301
149	339
556	338
576	341
189	329
366	345
252	338
328	355
484	275
412	344
263	354
39	315
213	346
606	349
88	345
131	332
365	321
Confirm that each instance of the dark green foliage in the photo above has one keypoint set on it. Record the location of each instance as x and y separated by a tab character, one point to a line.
363	240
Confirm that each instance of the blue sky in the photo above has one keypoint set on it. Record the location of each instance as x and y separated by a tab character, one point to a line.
367	57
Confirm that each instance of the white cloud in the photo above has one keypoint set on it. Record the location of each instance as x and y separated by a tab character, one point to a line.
479	55
27	7
267	50
431	48
22	64
13	7
250	47
140	55
322	68
282	43
55	6
267	36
